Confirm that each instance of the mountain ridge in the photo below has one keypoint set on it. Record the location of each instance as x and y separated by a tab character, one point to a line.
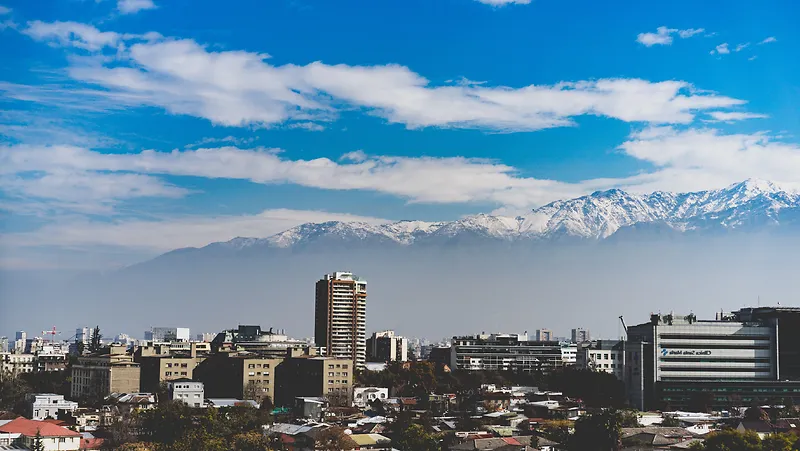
595	216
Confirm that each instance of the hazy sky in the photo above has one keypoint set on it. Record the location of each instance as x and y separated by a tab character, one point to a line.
131	127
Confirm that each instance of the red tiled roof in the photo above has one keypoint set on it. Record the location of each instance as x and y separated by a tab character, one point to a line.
29	428
56	422
512	441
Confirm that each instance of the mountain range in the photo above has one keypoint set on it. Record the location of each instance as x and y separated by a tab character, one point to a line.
747	206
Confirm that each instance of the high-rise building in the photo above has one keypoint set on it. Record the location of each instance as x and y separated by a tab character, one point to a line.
20	340
341	317
544	335
167	334
387	347
580	335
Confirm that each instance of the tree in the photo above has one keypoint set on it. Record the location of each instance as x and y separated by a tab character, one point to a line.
414	438
250	441
13	390
599	431
265	410
670	421
730	440
333	439
37	444
629	419
779	442
96	341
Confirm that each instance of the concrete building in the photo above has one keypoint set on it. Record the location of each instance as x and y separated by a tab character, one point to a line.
99	375
504	352
14	364
188	391
165	368
42	406
265	343
341	317
607	356
569	353
3	344
544	335
387	347
364	396
167	334
310	376
20	340
51	357
580	335
238	377
740	358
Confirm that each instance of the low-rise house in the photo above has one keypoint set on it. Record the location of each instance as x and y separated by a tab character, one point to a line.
761	427
364	396
23	432
372	441
311	407
522	442
48	405
654	437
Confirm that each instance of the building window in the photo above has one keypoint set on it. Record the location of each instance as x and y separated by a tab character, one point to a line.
330	382
252	365
344	373
330	367
330	374
266	365
251	373
344	366
168	373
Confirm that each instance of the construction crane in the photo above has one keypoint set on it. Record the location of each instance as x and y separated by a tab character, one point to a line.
52	334
624	327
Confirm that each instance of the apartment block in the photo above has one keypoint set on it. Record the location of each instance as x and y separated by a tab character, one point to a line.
504	352
387	347
239	377
165	368
311	376
341	317
99	375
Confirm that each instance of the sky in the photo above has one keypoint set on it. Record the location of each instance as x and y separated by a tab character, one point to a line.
129	128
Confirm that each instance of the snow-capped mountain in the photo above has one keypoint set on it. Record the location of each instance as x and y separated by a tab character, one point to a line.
752	203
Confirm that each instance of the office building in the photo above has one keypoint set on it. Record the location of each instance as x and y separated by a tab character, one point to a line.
341	317
20	340
504	352
387	347
606	356
227	375
42	406
98	375
569	353
187	391
580	335
544	335
265	343
167	334
15	364
315	376
741	358
164	368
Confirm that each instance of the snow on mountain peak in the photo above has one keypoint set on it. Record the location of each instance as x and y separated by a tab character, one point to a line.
595	216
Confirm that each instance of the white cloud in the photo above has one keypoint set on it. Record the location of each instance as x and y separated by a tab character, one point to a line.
721	49
688	33
664	35
729	116
237	88
752	58
134	6
4	10
741	47
504	2
72	34
768	40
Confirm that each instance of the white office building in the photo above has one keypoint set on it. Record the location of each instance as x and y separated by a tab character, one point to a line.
504	352
569	353
190	392
48	405
167	334
605	356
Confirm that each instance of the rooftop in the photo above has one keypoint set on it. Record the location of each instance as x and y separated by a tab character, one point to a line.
29	428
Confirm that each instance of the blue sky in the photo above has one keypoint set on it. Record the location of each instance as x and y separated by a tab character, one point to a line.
131	127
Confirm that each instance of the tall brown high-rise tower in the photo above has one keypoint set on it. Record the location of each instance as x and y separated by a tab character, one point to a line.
341	317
